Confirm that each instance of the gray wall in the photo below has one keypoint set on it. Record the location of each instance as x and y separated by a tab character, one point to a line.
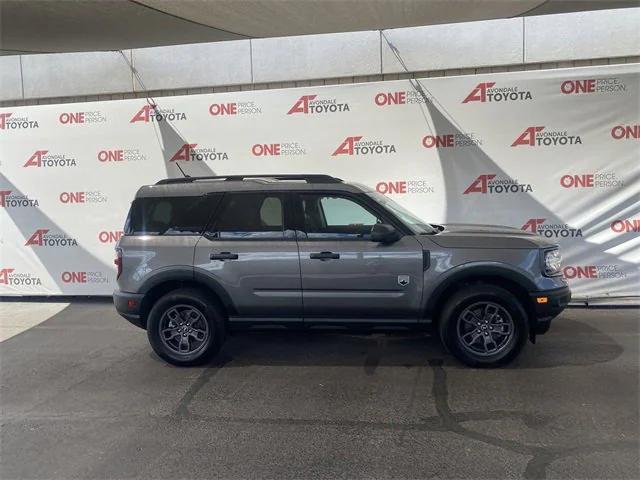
549	41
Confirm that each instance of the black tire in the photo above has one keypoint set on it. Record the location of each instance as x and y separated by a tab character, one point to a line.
475	303
173	313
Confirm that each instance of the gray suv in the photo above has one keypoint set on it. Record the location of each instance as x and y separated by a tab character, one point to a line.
203	255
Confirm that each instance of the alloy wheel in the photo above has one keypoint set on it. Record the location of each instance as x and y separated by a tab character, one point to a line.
183	329
485	328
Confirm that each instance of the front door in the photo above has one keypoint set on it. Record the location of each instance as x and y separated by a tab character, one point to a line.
347	276
248	251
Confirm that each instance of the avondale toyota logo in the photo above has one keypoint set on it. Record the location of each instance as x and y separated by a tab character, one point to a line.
190	152
9	121
44	159
490	183
42	238
9	276
540	137
153	113
311	104
357	146
549	230
488	92
4	275
8	199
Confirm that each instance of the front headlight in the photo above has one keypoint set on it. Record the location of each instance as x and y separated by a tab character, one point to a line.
552	262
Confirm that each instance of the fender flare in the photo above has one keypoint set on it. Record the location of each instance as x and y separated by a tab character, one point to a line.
166	274
468	271
190	274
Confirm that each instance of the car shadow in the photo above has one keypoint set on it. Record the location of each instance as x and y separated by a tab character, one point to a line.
263	347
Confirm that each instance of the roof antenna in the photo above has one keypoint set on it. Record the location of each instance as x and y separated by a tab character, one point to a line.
182	171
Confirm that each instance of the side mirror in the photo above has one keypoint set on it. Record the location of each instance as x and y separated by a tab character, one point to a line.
384	233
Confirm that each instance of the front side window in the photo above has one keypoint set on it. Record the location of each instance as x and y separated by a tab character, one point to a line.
169	215
330	216
249	216
416	224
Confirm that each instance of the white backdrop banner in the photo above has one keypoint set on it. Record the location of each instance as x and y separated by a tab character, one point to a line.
554	152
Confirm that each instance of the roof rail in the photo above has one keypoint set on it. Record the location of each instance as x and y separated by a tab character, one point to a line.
313	178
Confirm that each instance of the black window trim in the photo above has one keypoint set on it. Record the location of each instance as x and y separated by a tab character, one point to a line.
285	197
360	198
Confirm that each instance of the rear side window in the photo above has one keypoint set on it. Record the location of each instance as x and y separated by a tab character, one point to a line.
170	215
249	216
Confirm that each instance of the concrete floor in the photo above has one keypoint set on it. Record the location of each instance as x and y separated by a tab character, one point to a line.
83	396
16	317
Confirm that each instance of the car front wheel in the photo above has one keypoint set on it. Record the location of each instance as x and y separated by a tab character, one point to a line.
484	325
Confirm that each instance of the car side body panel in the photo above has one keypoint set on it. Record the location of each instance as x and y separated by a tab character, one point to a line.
264	279
147	256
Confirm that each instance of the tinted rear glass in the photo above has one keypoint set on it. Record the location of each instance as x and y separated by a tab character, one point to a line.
169	215
249	215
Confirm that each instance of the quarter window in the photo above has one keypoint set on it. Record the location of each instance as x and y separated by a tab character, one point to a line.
169	215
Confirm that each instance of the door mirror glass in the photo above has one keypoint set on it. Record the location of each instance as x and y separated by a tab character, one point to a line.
384	233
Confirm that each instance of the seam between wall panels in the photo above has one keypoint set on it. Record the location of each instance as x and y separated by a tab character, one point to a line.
380	39
524	43
251	60
21	77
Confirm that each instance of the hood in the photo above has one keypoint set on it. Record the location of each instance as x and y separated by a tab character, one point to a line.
468	235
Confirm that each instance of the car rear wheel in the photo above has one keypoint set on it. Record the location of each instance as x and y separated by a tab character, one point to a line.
185	328
484	325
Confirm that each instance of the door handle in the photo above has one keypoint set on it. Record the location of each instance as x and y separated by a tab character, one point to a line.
324	256
223	256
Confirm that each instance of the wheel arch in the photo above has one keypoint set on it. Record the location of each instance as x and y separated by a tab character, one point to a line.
503	276
169	280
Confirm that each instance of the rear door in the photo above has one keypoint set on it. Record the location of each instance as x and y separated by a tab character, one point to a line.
347	276
250	253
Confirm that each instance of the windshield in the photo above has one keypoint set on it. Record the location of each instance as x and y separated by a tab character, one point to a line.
416	224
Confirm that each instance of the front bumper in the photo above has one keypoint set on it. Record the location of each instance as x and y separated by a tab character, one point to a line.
548	304
129	306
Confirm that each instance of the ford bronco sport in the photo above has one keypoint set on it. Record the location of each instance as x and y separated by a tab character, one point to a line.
202	255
